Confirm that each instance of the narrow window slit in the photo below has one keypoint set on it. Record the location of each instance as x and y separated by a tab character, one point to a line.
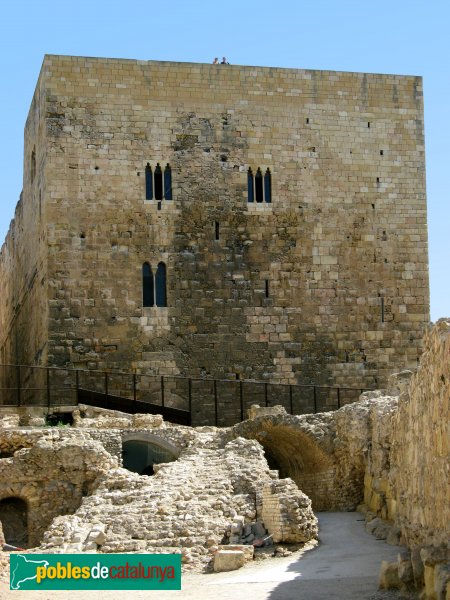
259	186
250	186
148	182
268	186
267	288
158	182
147	285
216	229
168	182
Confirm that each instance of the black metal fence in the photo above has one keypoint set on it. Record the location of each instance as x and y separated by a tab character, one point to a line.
219	402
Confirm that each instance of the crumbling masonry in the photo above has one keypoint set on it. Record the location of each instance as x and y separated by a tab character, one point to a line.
386	454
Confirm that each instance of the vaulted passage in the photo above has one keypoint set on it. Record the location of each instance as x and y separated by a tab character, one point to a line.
139	456
298	456
14	519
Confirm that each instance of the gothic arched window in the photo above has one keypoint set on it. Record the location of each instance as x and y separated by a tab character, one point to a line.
160	285
259	186
168	182
148	182
268	186
158	182
148	294
250	185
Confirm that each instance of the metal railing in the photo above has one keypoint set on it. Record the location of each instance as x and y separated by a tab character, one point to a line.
219	402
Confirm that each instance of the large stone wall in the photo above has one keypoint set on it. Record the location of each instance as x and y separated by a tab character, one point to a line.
23	256
327	283
407	472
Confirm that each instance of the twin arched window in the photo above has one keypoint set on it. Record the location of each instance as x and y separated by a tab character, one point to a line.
158	185
154	292
259	187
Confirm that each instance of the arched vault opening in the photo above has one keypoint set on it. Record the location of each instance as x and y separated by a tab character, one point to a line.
141	451
297	455
14	519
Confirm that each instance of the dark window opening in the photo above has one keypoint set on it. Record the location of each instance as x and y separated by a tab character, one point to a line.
268	186
158	182
368	124
381	152
382	310
147	285
160	285
259	186
378	180
307	120
148	182
168	182
250	185
267	288
216	229
33	165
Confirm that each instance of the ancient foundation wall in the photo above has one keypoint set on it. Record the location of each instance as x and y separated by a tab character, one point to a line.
407	474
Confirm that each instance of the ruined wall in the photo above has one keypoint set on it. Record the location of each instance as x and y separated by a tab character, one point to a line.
51	478
407	476
328	282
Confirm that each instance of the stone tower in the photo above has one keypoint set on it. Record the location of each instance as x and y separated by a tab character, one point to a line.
231	221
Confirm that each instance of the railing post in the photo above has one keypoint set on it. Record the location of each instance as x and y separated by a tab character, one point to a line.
106	390
190	394
134	387
290	399
77	385
48	387
18	385
162	390
216	409
315	398
265	395
339	397
241	399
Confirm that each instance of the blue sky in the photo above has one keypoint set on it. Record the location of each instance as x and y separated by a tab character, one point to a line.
386	36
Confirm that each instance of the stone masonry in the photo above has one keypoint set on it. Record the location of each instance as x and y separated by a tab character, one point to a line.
225	487
326	283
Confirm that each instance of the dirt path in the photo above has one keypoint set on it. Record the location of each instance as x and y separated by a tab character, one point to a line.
344	566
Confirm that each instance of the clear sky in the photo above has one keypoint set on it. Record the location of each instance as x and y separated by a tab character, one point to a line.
382	36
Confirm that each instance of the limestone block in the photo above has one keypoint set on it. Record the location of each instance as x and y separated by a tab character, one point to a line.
388	578
256	411
228	560
147	421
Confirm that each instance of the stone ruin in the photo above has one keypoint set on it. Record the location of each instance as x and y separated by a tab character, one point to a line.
217	494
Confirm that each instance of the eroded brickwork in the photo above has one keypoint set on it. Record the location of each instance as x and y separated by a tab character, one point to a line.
327	283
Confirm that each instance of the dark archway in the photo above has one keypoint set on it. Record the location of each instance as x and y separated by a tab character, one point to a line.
296	454
140	456
14	518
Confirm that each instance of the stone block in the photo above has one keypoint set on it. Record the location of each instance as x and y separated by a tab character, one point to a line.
388	578
228	560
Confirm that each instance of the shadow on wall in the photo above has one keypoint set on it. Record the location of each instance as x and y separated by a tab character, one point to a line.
14	518
296	455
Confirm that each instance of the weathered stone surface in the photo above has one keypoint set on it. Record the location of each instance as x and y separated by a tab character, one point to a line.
260	411
327	283
228	560
388	578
